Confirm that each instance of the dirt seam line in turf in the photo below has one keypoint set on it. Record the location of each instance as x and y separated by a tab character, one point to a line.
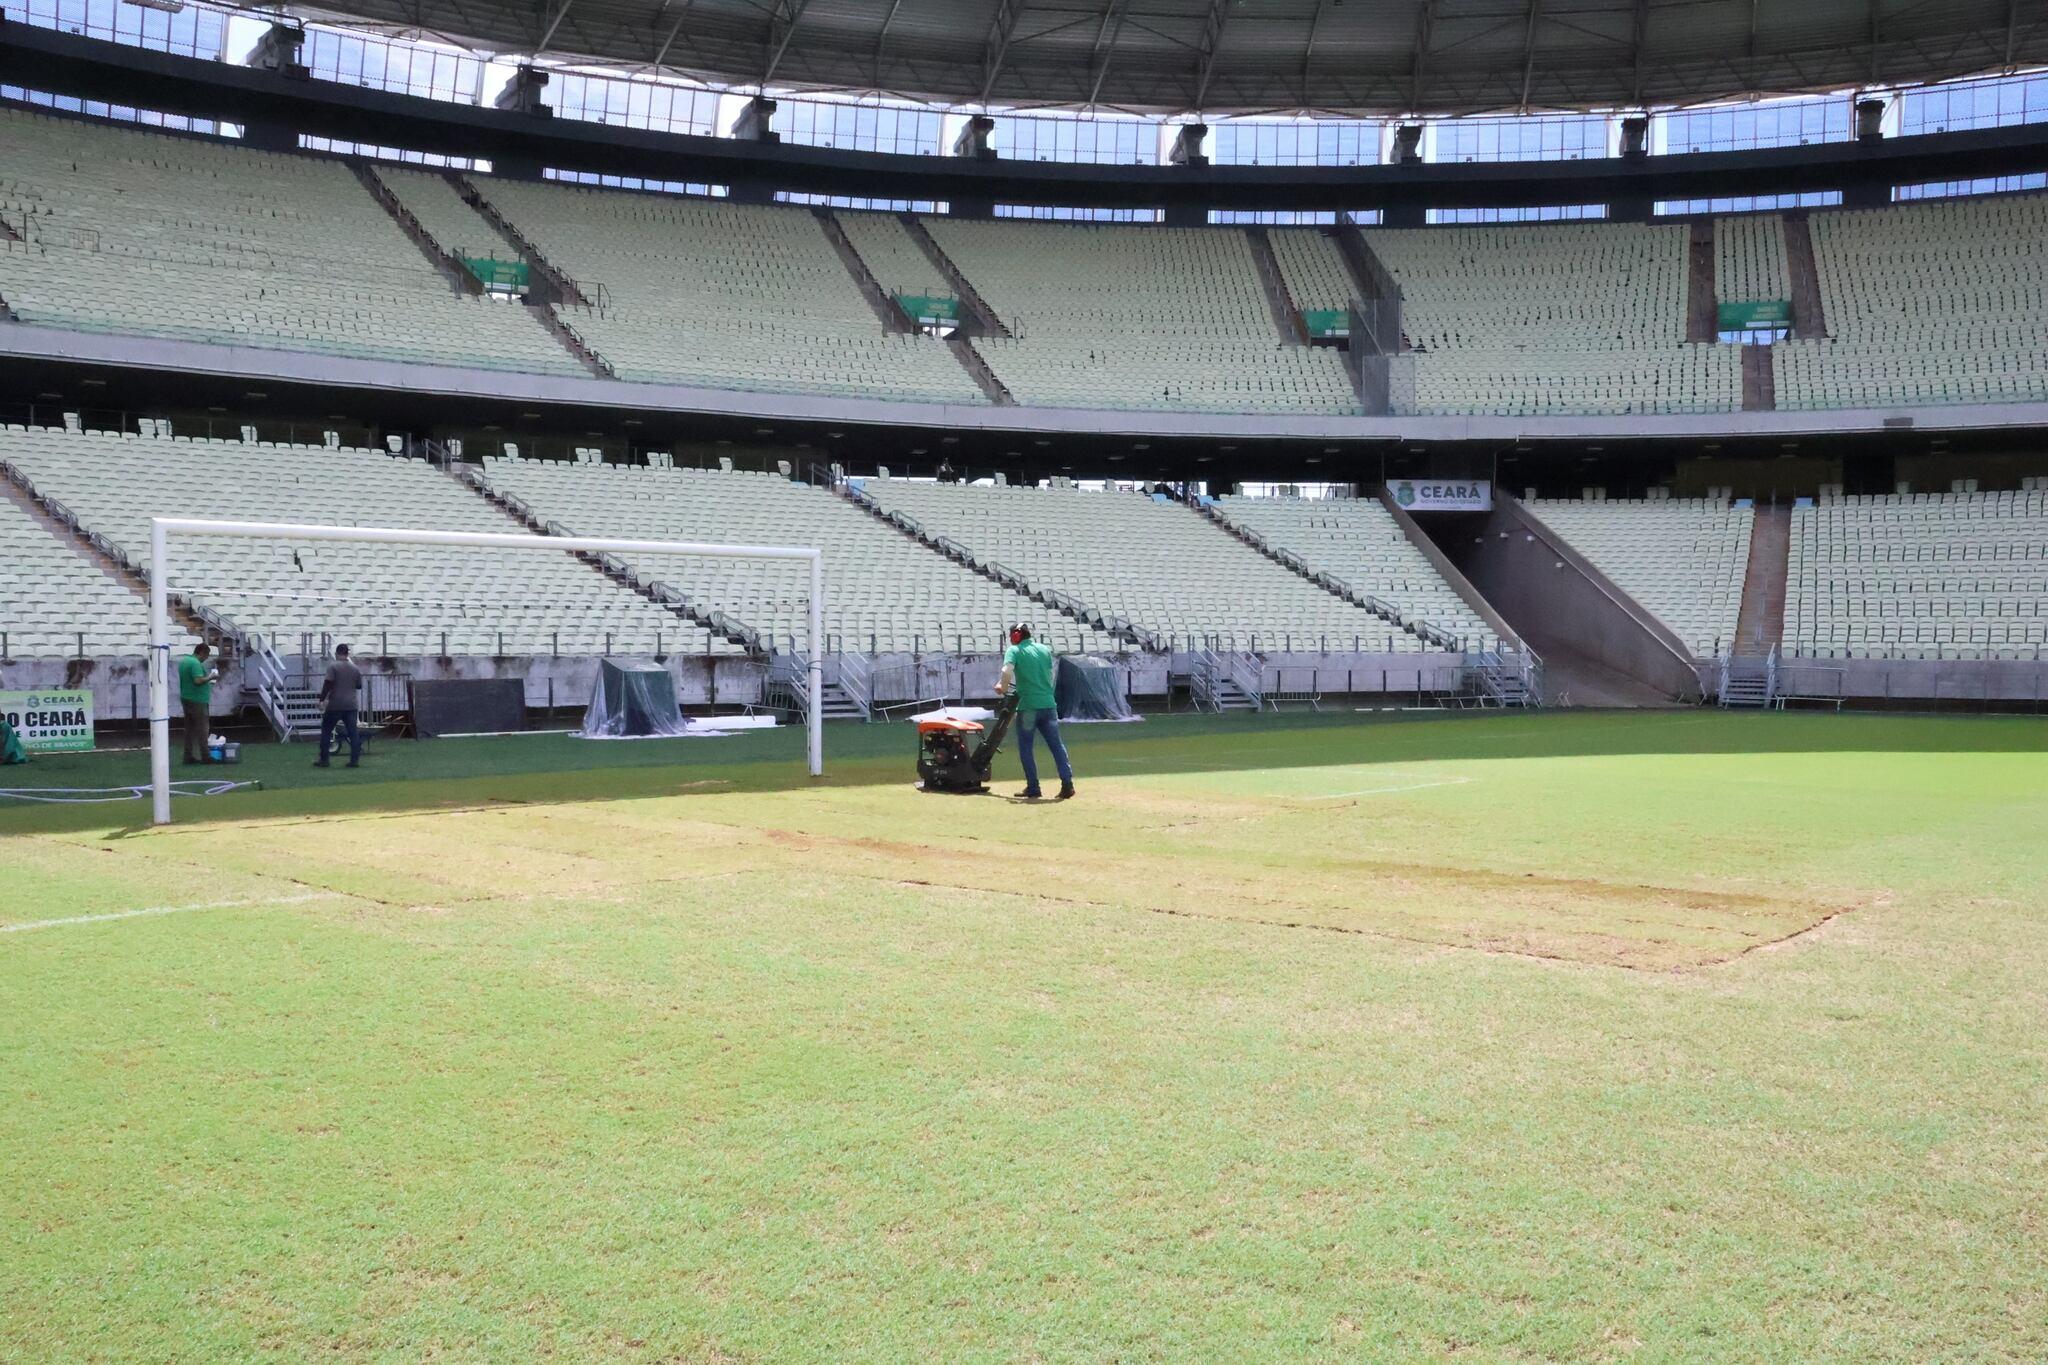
1302	925
1823	922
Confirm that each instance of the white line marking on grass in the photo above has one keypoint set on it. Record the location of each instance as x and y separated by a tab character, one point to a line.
168	910
1381	791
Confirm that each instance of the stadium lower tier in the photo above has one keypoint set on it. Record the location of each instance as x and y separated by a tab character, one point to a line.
117	229
914	567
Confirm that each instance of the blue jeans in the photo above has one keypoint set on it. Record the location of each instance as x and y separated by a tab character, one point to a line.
345	721
1031	724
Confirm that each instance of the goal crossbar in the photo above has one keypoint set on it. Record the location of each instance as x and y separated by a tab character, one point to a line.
161	529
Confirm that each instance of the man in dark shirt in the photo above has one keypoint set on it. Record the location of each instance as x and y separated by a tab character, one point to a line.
338	694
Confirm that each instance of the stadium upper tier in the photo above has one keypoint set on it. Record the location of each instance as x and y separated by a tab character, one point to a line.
1920	576
388	599
885	592
1137	316
1926	303
188	238
700	291
1561	317
121	230
1153	562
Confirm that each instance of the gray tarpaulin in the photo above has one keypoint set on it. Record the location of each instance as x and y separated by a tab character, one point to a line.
632	701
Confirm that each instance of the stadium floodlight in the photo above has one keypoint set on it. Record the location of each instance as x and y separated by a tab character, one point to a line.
161	529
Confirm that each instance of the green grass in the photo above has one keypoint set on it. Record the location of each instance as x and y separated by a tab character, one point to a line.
1693	1036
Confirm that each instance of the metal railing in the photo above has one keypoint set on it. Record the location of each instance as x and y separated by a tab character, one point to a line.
855	675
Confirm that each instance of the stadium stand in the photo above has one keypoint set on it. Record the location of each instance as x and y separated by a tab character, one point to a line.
1358	541
885	592
451	221
1683	559
59	604
384	599
1551	318
726	295
1312	268
1152	562
139	232
1938	302
893	257
1137	317
1918	576
1749	259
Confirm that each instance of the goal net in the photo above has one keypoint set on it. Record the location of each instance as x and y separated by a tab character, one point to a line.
166	533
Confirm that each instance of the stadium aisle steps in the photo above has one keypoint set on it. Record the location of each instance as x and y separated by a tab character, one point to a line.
1286	316
400	600
60	597
1148	560
886	592
1760	626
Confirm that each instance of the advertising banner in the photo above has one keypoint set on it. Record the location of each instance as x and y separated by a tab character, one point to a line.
1442	495
50	721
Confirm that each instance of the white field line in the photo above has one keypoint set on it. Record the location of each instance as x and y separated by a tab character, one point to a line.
1409	787
168	910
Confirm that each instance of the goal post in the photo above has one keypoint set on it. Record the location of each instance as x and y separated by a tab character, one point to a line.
161	529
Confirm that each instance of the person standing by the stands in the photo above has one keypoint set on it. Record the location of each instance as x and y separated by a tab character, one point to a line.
196	677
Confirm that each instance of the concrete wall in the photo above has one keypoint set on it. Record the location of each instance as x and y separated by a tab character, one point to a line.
1553	596
1948	680
120	685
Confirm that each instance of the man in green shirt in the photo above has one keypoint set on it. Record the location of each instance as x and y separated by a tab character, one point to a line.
1027	667
195	692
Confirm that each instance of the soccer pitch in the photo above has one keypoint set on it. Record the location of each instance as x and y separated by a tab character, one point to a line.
1675	1036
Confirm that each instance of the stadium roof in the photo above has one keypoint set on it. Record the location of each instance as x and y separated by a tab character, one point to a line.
1372	57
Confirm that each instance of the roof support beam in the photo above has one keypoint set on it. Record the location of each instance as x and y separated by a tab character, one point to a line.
1212	43
1876	37
1112	28
1418	62
781	29
1749	48
547	34
1308	47
1639	31
882	38
995	48
1529	50
670	41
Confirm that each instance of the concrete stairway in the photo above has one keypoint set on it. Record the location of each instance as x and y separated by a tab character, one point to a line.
1760	626
978	319
981	372
1286	316
559	287
80	544
1759	380
1809	323
459	279
890	312
1702	310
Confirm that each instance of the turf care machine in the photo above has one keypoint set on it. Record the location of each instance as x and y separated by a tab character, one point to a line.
951	759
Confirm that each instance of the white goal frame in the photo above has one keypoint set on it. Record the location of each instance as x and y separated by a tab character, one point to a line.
161	529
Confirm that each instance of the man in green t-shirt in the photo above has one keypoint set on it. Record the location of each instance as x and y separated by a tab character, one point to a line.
1027	667
195	693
